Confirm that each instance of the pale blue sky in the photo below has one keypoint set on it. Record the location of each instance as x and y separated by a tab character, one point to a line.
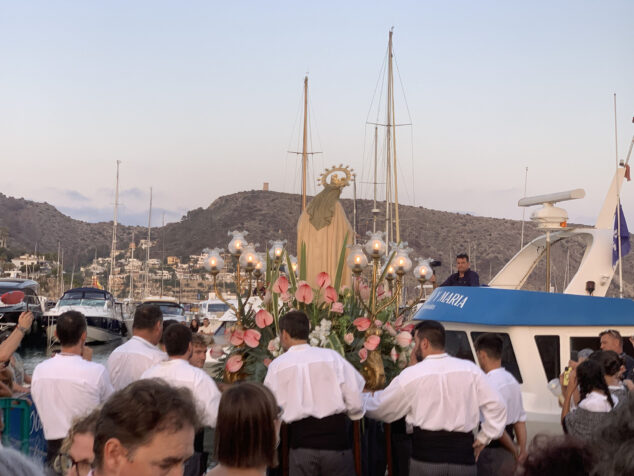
200	99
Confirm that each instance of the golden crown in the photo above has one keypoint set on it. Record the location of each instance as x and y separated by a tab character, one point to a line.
348	176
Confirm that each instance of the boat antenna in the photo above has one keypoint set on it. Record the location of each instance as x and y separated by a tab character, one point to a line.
113	249
524	208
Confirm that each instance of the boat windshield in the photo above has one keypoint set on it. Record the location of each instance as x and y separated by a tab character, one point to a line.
167	309
220	307
92	299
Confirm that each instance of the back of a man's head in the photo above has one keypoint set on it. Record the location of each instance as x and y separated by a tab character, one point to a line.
491	344
69	328
433	331
146	316
177	340
136	414
296	324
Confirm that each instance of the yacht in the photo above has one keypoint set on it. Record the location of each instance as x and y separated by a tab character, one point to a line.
170	307
542	331
103	314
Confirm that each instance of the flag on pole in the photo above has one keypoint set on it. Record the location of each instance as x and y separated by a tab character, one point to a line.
625	237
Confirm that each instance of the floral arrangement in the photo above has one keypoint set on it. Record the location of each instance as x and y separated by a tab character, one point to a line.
339	321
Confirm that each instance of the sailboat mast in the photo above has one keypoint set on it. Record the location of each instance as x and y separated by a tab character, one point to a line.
305	144
375	211
163	254
113	250
148	245
391	131
132	246
388	144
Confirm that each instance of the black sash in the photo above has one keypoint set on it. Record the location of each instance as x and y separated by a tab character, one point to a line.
510	429
442	446
328	433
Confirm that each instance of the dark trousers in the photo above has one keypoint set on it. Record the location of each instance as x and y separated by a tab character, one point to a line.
308	462
418	468
52	450
497	461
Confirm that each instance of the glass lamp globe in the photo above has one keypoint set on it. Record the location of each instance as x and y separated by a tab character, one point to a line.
375	246
402	262
277	250
248	258
213	260
357	260
237	243
423	271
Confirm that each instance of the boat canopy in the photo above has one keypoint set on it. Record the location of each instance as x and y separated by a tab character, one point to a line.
88	293
505	307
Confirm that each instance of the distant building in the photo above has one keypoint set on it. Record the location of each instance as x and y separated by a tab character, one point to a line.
173	260
28	260
266	187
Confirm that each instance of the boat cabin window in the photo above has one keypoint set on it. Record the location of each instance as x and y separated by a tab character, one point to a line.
549	352
509	362
219	307
457	345
594	343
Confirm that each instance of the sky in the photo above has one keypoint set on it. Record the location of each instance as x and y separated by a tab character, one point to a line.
201	99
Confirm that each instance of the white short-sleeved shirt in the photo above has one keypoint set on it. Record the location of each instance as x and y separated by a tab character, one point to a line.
312	381
442	393
127	362
66	387
179	373
597	402
509	388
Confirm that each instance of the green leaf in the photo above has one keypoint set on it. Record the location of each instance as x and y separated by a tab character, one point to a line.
341	263
302	263
291	274
335	344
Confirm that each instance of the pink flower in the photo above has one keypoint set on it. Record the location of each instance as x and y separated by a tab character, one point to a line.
348	338
252	338
363	353
215	351
380	291
304	293
372	342
398	322
337	307
390	330
267	362
281	285
404	339
263	318
286	297
272	347
364	291
234	363
323	279
330	295
393	354
409	328
237	337
378	323
362	323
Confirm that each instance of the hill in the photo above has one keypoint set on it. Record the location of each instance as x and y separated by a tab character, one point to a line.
491	242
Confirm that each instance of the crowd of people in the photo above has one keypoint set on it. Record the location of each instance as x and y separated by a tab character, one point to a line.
152	409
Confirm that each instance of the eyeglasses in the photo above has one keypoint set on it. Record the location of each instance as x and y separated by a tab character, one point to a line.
64	464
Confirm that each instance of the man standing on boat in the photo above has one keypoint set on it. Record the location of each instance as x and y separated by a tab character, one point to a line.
464	276
499	457
442	397
612	340
127	362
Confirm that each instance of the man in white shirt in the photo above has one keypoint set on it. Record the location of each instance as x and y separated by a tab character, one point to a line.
146	429
442	398
177	371
499	457
67	386
318	391
127	362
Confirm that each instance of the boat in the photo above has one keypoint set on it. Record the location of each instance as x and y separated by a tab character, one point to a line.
103	314
542	331
170	307
9	314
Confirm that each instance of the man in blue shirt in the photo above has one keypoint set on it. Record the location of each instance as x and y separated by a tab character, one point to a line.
464	276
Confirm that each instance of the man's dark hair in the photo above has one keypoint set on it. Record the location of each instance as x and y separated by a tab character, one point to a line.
246	435
146	316
433	331
491	344
141	410
69	328
177	340
296	324
167	323
558	455
590	376
463	256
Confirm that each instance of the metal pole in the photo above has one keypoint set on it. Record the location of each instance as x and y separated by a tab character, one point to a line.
524	208
305	144
618	202
548	261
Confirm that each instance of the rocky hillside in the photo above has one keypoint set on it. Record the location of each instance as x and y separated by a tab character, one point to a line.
491	242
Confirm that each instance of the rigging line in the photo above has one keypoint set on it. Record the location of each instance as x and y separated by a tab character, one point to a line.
378	80
313	118
290	140
400	80
411	131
